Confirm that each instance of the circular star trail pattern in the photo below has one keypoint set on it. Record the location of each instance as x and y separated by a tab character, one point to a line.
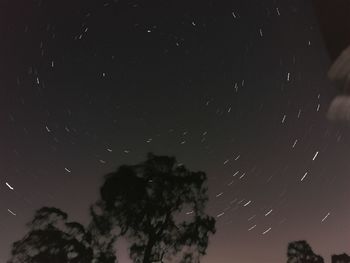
237	89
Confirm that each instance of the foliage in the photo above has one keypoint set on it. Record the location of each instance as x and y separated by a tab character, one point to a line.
147	204
301	252
342	258
52	239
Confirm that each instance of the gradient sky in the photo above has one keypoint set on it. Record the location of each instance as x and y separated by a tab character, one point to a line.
236	89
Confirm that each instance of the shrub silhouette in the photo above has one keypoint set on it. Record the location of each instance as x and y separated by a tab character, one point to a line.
147	204
301	252
342	258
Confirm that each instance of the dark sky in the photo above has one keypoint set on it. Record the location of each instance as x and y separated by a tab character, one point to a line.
236	89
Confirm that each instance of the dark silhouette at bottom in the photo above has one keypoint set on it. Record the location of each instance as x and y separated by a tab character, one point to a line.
301	252
343	258
158	206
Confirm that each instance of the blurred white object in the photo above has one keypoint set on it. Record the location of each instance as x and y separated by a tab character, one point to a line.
340	70
339	110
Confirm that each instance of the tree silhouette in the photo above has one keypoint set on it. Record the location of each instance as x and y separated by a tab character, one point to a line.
158	206
102	240
301	252
342	258
52	239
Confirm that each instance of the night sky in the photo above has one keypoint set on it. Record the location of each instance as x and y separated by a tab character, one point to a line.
237	89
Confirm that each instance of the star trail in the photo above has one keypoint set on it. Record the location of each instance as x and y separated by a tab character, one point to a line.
236	89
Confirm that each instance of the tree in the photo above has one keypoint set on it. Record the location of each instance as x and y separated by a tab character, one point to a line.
342	258
102	240
159	206
301	252
52	239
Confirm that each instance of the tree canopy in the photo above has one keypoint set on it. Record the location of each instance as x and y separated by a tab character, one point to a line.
51	238
301	252
159	206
